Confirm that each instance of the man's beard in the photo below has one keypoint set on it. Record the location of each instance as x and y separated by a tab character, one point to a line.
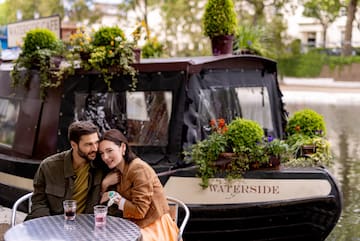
86	156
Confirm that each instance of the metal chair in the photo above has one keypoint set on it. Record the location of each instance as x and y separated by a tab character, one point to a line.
174	211
26	197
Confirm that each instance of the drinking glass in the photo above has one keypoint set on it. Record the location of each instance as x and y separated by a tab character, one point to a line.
69	209
100	212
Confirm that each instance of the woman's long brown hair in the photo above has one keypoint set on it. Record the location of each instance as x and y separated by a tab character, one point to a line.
115	136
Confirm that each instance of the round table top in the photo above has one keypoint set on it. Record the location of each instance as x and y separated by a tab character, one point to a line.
55	228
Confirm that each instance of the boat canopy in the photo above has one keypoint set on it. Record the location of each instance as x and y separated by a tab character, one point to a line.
169	110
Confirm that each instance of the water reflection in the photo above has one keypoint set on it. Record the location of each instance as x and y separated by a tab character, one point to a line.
341	113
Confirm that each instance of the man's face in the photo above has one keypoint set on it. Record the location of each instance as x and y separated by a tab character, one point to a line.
88	146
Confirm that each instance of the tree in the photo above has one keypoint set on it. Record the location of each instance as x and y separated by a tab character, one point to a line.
326	11
182	25
80	10
141	8
259	9
351	10
31	8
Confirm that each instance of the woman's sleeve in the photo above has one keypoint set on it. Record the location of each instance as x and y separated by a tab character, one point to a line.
141	178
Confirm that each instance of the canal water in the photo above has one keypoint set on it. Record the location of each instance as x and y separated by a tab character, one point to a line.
341	111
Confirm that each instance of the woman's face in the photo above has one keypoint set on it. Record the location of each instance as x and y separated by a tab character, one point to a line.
111	153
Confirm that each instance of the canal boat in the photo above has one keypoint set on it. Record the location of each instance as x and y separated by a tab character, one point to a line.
168	112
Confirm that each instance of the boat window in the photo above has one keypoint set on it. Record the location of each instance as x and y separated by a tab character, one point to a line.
255	105
9	114
228	103
148	117
143	116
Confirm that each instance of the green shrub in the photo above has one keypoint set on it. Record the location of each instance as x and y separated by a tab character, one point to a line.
106	36
219	18
39	39
306	122
152	49
244	135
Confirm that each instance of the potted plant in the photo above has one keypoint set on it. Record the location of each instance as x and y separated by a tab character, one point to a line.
112	53
136	35
277	150
152	48
80	45
220	22
229	150
306	122
106	50
37	55
302	126
306	135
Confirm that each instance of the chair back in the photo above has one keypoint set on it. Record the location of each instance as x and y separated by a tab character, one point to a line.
26	197
174	212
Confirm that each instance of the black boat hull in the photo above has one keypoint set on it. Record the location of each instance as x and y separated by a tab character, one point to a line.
307	218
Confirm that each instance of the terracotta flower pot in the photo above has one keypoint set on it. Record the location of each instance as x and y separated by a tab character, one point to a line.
308	150
222	44
225	159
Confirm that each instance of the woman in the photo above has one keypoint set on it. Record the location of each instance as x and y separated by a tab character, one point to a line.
139	193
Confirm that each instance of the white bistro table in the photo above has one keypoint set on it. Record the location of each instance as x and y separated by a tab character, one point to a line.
55	228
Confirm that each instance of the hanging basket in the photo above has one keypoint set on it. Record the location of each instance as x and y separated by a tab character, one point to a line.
222	44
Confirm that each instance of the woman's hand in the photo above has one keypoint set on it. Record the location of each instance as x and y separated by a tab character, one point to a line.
112	196
111	178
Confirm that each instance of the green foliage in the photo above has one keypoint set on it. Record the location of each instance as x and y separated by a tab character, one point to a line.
106	51
252	38
205	152
306	122
39	39
305	65
219	18
244	135
40	45
152	49
242	138
295	47
321	157
311	63
232	149
277	148
28	8
325	11
307	128
106	36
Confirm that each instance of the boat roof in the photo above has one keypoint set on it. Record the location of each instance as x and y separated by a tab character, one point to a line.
196	63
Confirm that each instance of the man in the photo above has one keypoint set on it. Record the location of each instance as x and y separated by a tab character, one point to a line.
71	174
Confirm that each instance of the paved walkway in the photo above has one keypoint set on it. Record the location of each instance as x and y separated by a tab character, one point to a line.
319	84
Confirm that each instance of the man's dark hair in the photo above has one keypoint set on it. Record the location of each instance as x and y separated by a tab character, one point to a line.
80	128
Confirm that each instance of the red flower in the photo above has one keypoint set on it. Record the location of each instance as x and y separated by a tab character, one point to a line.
221	123
218	125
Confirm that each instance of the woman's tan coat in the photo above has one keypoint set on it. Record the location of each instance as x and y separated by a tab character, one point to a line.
143	191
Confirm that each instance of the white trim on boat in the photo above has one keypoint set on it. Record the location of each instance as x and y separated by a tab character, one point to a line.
16	181
223	191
